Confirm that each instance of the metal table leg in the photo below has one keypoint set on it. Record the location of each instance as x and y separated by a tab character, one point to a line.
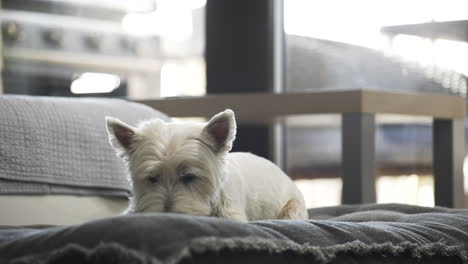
358	158
448	154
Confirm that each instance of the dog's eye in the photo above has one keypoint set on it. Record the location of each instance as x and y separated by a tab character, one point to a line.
188	178
153	179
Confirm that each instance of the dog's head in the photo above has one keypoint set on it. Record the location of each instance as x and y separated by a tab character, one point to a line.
175	167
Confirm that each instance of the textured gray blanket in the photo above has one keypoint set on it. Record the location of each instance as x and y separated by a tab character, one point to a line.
389	233
59	145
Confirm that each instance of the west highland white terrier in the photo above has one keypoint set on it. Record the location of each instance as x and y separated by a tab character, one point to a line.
186	168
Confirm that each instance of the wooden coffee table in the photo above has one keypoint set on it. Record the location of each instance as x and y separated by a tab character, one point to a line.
358	109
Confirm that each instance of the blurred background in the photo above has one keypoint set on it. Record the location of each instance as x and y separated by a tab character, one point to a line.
145	49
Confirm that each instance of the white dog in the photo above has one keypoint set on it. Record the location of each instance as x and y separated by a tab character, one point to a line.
187	168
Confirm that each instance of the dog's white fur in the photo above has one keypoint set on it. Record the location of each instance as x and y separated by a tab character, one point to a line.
187	168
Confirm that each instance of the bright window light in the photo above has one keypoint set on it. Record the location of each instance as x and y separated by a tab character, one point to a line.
192	4
465	173
91	82
359	22
183	78
170	79
452	55
141	24
412	189
414	48
320	192
171	20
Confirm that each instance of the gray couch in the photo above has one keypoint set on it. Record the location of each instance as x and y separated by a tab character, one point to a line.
56	148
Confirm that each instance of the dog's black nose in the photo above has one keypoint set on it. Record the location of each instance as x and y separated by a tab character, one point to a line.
167	205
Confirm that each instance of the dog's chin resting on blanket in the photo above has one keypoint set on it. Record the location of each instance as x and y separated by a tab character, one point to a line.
186	168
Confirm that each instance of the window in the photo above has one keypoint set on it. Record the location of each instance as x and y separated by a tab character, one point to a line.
113	48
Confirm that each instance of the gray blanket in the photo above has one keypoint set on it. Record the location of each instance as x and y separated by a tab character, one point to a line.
59	145
344	234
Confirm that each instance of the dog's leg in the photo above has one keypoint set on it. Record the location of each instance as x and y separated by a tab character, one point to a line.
293	209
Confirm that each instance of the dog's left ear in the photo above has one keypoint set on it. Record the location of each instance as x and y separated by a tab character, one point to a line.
220	131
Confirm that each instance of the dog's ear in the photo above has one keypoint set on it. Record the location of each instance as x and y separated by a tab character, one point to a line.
121	136
220	131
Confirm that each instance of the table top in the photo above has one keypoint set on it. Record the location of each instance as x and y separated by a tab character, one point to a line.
265	107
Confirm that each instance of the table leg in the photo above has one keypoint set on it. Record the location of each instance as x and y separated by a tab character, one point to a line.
448	154
358	158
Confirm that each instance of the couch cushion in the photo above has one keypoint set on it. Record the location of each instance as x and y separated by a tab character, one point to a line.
58	209
60	145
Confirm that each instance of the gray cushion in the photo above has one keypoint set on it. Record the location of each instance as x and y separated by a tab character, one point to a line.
350	234
59	145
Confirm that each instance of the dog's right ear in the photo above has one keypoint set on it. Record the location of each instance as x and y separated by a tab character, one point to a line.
220	131
121	136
